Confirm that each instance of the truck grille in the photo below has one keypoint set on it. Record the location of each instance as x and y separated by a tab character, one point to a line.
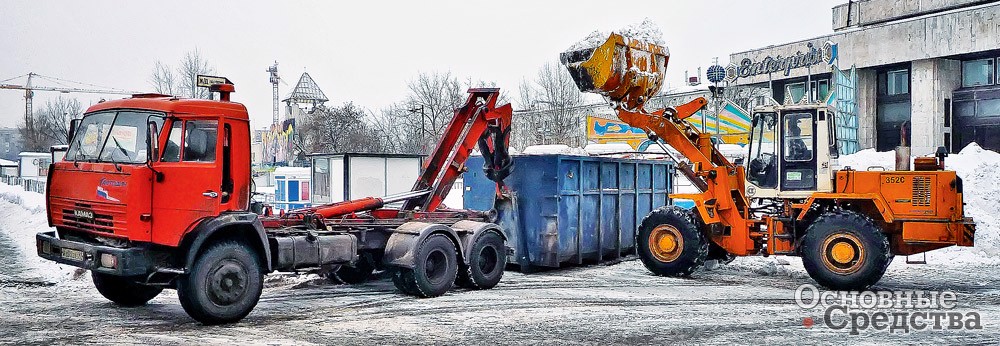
921	192
103	218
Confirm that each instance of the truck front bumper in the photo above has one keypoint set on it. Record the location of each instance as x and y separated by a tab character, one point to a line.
131	261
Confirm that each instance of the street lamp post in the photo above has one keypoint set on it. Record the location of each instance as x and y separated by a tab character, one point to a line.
423	128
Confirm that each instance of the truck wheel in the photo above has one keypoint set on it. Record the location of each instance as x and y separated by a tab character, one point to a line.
404	281
435	270
224	284
669	243
357	274
124	291
486	263
845	251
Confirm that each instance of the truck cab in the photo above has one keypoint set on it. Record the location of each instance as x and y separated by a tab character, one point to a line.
147	169
792	151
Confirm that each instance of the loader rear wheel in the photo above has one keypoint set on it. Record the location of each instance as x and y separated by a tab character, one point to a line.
435	269
845	251
224	284
669	242
124	291
486	263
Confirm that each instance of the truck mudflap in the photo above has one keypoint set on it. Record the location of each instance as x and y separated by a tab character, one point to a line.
130	261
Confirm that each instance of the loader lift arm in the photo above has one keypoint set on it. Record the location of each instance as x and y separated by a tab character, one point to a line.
628	72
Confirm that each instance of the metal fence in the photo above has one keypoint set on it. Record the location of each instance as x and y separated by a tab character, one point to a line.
28	184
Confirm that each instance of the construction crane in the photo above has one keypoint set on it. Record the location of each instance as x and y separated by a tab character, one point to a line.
29	91
275	79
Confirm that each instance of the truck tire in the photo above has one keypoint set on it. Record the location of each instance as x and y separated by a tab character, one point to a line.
844	250
669	243
224	283
360	272
124	291
486	263
435	270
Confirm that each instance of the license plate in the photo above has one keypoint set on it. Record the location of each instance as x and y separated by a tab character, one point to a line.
75	255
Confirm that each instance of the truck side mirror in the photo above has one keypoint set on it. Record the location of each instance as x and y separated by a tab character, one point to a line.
73	125
152	143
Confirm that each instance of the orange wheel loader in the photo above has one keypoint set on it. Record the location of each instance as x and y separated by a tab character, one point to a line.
788	200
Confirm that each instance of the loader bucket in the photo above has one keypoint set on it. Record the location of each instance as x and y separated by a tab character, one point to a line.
621	69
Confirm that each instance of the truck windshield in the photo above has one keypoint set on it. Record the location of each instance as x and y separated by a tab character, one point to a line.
113	136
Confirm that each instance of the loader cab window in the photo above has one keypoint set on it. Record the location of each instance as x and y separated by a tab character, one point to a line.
763	168
798	167
798	137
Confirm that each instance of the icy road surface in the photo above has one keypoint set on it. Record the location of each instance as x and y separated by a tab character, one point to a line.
748	301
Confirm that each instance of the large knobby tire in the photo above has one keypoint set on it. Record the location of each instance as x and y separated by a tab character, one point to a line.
224	283
435	269
360	272
844	250
486	263
124	291
669	243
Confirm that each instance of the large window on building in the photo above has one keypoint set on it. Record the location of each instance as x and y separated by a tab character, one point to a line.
978	72
893	108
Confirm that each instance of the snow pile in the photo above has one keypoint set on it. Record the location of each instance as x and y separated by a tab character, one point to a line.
22	215
980	172
554	149
645	31
617	149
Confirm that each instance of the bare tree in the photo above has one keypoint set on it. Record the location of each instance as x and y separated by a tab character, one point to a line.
340	130
163	80
50	125
184	80
433	99
552	102
192	65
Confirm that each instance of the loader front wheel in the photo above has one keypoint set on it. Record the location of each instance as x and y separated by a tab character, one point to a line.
669	243
845	251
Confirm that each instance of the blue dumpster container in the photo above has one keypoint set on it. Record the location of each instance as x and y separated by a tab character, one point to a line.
571	210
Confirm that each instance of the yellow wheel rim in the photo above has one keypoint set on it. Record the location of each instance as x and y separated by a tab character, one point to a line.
666	243
843	253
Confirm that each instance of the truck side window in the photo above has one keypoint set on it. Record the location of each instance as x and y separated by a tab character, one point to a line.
200	140
172	152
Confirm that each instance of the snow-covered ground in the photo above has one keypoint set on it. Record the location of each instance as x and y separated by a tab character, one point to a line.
747	301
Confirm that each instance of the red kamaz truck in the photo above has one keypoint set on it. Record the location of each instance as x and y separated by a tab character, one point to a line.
155	192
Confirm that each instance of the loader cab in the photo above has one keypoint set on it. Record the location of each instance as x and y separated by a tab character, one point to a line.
790	152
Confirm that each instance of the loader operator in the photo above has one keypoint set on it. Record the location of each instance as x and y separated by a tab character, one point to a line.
797	149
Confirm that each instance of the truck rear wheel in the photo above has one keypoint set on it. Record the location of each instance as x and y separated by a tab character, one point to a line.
224	284
357	274
669	243
486	263
435	270
845	251
124	291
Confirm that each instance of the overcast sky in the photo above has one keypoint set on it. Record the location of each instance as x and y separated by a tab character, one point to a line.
361	51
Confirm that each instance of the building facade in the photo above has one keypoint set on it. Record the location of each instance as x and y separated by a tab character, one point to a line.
10	143
923	72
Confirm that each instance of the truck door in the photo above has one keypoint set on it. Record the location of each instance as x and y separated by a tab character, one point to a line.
192	179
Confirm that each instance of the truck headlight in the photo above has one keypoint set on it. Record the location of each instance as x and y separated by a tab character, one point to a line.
109	260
